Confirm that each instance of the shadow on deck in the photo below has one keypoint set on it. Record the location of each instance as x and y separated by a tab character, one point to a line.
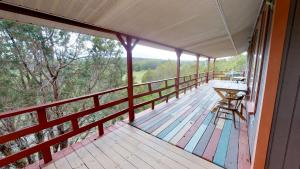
188	124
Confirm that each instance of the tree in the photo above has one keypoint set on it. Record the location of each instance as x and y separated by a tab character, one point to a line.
41	64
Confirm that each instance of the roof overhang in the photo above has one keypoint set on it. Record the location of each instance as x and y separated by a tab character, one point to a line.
211	28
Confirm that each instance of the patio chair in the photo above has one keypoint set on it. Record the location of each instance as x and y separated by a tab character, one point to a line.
230	107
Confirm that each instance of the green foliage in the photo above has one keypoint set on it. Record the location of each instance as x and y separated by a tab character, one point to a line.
140	64
236	63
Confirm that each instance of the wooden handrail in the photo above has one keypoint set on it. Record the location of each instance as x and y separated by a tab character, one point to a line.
56	103
189	81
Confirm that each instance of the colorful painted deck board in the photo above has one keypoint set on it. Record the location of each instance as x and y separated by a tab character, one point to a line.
188	124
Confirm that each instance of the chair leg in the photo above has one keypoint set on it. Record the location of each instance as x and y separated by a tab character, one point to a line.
217	116
233	113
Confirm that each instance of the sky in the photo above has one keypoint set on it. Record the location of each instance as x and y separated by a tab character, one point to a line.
141	51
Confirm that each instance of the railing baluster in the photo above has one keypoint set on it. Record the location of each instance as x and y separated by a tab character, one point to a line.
149	87
96	101
42	118
75	125
100	129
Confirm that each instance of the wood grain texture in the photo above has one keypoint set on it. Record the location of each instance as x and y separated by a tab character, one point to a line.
193	130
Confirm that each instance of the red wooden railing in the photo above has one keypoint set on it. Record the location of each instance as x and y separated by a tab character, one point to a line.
186	82
154	87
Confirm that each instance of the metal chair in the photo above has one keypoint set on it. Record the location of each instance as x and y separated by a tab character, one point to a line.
227	107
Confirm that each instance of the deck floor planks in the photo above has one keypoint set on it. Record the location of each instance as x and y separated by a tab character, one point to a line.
163	115
113	154
125	152
198	134
162	153
73	159
173	129
124	146
173	118
181	130
180	156
221	151
244	154
190	111
233	148
181	103
86	157
183	122
189	134
145	116
201	145
153	157
100	156
213	143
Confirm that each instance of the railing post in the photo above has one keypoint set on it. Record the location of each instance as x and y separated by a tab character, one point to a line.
128	44
96	101
178	53
42	118
197	70
100	129
214	64
207	72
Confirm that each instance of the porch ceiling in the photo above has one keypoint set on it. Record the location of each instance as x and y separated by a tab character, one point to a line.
193	25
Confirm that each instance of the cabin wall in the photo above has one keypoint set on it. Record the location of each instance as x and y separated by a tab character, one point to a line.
253	119
256	95
284	143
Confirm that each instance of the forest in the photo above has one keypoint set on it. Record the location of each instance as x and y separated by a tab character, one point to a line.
40	64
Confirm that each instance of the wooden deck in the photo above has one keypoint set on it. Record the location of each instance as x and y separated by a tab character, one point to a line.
124	146
188	124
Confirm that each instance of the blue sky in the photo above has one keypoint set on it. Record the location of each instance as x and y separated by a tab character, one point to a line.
141	51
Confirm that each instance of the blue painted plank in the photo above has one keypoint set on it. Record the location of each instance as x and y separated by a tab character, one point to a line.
158	111
232	152
173	129
170	135
196	137
168	129
175	109
221	151
201	145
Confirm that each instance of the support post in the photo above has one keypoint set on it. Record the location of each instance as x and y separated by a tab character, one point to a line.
178	53
197	70
207	72
42	118
129	43
214	64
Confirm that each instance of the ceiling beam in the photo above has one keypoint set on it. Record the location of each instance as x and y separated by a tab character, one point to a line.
221	12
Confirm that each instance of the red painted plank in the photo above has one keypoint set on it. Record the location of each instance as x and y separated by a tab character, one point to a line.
212	145
244	154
